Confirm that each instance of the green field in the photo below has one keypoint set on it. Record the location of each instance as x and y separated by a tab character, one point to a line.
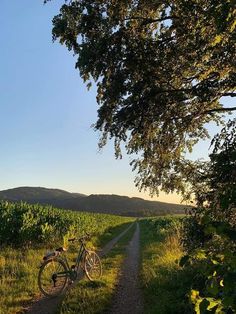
28	231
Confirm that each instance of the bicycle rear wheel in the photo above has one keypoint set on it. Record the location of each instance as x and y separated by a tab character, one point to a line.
92	266
52	277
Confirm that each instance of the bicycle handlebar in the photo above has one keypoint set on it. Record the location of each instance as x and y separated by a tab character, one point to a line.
87	236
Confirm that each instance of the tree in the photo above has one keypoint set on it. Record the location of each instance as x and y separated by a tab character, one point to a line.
210	232
161	69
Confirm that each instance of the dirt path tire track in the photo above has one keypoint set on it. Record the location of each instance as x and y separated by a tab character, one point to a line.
128	297
44	305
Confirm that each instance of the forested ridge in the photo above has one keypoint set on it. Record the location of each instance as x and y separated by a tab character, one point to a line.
103	203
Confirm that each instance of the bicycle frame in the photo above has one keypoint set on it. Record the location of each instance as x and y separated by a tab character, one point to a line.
81	252
70	272
56	272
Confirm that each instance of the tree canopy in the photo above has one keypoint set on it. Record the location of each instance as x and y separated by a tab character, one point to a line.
209	233
161	69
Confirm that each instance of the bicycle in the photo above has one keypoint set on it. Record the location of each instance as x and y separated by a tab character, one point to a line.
55	271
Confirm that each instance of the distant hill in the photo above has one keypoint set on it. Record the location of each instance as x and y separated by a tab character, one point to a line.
98	203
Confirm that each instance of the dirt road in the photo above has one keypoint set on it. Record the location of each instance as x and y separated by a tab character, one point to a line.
128	296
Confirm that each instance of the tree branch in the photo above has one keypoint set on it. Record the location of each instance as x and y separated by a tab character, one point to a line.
174	90
148	20
219	110
229	94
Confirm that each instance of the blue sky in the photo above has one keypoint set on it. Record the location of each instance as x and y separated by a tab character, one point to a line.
46	112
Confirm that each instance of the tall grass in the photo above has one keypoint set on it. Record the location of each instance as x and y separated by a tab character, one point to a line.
164	282
18	278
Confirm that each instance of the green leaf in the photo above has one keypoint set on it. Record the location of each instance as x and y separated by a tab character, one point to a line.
201	254
194	296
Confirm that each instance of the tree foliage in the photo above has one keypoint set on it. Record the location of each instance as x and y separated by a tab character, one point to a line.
210	232
161	68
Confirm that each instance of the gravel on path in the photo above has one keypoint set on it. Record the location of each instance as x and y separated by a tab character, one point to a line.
44	305
128	297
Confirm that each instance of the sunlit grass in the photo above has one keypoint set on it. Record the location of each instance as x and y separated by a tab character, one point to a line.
95	297
164	282
18	278
19	271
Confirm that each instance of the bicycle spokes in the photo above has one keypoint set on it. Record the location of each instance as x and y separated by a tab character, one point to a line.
92	265
53	277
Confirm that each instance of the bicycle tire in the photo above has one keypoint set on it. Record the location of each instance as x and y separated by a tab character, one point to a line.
48	285
92	266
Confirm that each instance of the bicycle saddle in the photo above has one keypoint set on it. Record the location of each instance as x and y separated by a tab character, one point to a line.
61	249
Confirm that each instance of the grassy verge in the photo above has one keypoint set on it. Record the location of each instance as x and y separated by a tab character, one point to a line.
95	297
165	284
18	277
19	271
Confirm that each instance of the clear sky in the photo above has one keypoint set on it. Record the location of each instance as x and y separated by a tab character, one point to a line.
46	112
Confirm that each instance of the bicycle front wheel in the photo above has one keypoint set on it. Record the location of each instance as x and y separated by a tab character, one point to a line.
92	266
52	277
